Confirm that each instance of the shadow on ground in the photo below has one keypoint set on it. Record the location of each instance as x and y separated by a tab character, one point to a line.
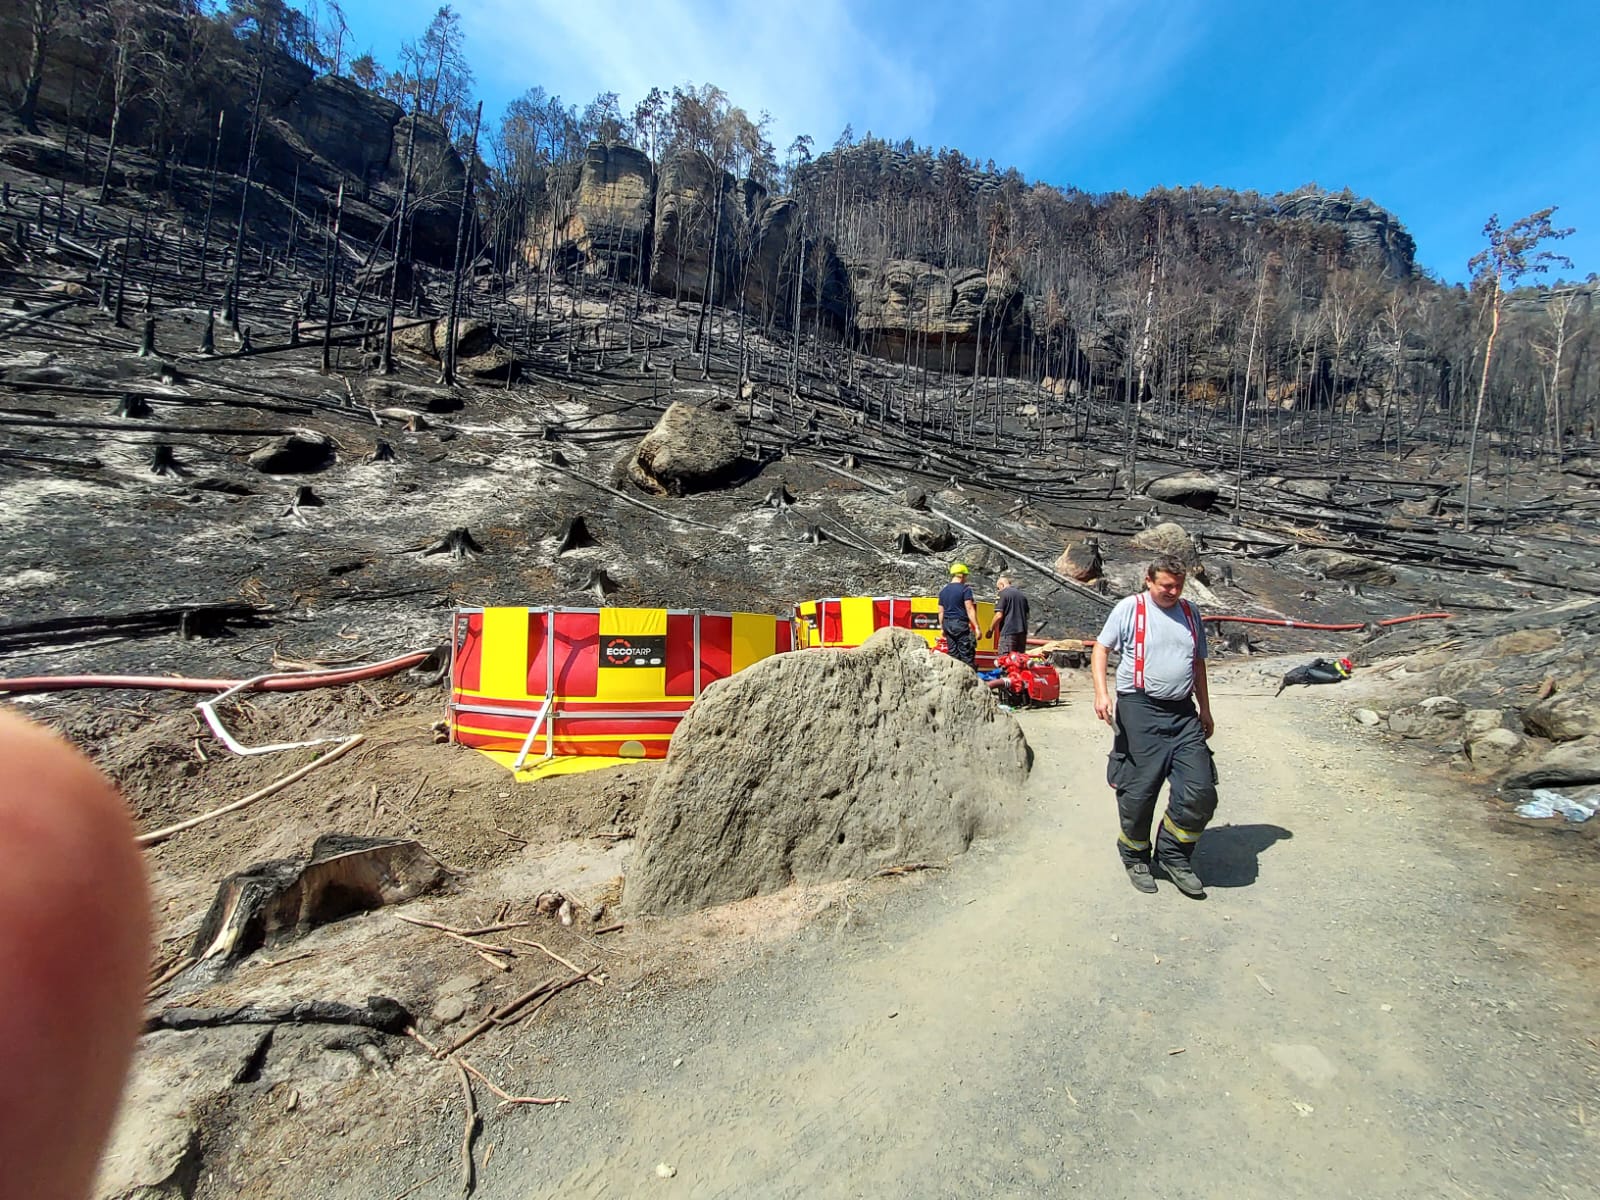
1229	855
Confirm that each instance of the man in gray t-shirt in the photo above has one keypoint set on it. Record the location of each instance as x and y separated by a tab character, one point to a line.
1161	717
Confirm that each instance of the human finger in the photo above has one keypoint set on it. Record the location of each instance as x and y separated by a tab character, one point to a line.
74	951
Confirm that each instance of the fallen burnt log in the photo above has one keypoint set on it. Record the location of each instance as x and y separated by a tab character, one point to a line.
186	620
279	900
380	1012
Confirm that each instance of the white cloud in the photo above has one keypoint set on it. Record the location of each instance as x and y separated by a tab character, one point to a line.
808	62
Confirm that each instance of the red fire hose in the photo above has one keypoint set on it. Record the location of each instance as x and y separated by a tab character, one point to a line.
296	682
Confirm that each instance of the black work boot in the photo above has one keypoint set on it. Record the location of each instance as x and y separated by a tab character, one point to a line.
1139	875
1183	877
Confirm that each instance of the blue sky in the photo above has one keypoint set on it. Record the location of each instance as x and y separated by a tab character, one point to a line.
1442	112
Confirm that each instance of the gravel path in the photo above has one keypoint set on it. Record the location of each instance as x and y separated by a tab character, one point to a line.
1373	1002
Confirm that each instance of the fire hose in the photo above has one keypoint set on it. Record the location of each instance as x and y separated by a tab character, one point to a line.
299	681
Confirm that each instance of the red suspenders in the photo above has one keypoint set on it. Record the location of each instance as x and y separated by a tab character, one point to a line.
1140	620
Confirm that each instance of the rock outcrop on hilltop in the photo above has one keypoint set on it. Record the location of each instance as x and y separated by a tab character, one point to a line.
611	228
1364	225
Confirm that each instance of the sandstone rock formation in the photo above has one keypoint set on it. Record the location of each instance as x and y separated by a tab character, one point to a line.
686	212
777	257
689	450
936	315
822	765
611	226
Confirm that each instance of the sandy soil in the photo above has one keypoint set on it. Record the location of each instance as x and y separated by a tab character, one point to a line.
1389	992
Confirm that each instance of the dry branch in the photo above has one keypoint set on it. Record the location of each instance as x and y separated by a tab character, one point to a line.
156	837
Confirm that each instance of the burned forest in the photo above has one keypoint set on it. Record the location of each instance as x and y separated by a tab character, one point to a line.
301	356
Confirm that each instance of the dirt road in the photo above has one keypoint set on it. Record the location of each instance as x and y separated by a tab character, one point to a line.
1373	1002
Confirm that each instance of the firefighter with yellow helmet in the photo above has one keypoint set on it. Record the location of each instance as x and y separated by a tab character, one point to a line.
958	616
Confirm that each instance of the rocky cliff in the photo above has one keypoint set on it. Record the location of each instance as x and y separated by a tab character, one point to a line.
611	227
936	316
691	204
1363	223
317	133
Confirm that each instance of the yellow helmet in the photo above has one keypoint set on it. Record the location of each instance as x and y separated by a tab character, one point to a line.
958	568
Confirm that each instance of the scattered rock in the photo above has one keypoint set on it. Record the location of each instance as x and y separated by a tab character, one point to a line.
917	538
294	454
1320	490
1417	722
824	765
1082	561
1482	720
1446	707
1170	538
479	351
155	1147
1336	564
1191	489
1365	716
690	450
1493	749
1569	765
1463	673
447	1010
1564	717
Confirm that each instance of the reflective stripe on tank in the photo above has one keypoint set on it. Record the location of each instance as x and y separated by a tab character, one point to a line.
1183	835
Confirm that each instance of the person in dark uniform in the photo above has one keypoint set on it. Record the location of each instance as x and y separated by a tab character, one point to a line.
1162	718
1010	624
958	616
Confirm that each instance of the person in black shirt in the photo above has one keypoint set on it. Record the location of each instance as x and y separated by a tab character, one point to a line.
958	616
1010	624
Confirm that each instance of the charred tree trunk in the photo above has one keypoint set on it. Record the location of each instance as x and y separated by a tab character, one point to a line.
447	355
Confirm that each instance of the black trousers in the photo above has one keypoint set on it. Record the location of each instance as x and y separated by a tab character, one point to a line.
963	646
1011	643
1157	741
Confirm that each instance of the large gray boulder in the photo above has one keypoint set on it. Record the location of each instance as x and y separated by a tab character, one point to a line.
1190	489
690	449
1570	764
823	765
